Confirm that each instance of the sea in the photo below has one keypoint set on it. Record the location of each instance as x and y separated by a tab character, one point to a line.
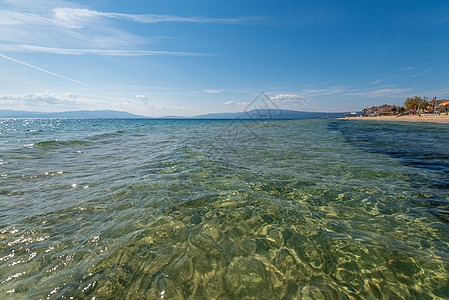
223	209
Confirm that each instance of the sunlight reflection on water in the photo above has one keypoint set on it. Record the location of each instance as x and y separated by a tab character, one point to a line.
165	209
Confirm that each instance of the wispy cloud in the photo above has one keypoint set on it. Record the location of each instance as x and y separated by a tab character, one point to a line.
77	18
228	103
398	74
382	92
376	81
421	73
439	93
406	69
8	17
105	52
42	70
325	91
81	31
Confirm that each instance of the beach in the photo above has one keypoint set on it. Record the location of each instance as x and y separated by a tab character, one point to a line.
407	118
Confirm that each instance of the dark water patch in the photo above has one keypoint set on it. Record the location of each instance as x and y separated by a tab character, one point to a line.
437	207
417	145
421	146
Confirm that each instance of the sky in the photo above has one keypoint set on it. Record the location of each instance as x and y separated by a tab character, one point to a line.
185	58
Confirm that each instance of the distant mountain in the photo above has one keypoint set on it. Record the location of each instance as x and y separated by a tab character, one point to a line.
80	114
260	114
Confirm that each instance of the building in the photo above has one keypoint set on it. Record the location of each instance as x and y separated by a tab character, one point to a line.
436	106
383	110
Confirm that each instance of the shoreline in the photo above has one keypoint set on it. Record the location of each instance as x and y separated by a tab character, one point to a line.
405	118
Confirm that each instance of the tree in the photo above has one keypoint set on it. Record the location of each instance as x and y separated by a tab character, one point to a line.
414	103
424	104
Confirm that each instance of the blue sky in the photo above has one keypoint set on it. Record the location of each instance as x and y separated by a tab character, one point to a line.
159	58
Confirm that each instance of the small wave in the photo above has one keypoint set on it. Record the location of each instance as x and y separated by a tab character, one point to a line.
108	135
58	143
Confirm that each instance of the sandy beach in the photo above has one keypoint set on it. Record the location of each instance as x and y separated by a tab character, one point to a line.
407	118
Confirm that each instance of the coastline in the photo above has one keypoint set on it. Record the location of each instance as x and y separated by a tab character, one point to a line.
405	118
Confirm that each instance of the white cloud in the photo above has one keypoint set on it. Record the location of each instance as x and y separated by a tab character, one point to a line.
51	101
286	96
228	103
74	17
243	104
45	98
144	98
157	107
289	98
217	91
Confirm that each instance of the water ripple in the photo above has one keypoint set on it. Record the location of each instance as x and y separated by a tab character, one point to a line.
184	210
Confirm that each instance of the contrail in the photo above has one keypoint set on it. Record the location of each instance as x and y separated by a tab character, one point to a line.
40	69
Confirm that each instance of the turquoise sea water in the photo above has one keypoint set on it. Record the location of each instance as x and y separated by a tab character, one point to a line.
305	209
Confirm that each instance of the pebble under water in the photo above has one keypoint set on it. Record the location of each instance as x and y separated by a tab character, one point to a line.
223	209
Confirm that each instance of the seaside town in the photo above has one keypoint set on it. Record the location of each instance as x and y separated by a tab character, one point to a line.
413	107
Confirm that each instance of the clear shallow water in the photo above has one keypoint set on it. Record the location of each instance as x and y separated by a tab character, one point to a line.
311	209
